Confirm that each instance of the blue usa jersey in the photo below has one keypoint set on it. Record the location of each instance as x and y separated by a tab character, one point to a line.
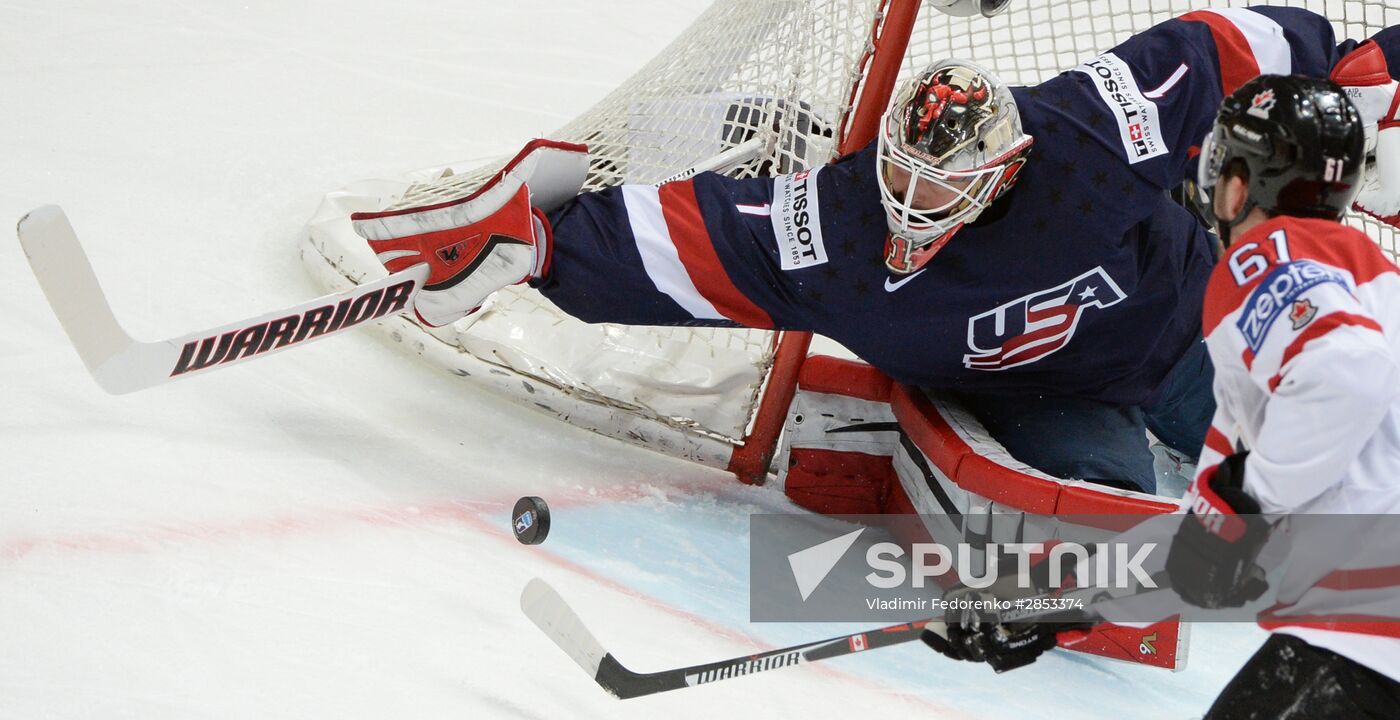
1084	280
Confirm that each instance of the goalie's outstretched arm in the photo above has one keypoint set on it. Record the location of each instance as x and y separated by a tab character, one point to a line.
440	257
701	250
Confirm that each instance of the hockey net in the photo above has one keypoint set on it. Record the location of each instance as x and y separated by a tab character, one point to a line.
789	82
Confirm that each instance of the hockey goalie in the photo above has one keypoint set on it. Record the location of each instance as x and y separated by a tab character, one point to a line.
1008	261
1013	250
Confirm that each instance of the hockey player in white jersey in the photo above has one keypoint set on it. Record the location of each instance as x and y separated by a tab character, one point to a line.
1302	321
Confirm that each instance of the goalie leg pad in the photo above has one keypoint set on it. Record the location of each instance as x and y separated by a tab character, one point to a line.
832	482
838	440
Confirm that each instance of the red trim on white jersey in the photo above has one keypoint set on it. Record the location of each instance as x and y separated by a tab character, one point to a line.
1377	625
1362	579
1223	296
1317	329
1219	442
1365	260
1308	239
1247	357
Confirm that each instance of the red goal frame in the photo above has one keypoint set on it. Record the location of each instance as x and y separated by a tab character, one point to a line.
870	94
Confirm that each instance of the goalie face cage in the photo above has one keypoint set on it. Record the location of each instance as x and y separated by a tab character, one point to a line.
803	80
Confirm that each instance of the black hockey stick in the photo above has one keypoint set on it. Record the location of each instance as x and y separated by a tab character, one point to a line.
551	614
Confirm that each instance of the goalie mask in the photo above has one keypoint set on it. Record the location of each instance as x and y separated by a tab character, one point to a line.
950	144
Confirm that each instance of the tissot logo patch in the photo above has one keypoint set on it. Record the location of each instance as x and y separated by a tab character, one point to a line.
1033	326
1136	116
797	221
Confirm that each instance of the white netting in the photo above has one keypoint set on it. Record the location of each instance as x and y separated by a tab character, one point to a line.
1037	39
781	72
778	72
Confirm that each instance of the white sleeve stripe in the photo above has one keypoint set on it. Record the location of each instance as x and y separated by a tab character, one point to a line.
658	251
1265	38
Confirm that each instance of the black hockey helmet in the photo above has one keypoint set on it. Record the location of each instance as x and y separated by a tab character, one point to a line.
1301	140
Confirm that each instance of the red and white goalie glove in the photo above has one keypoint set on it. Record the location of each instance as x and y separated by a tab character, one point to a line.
497	236
1365	76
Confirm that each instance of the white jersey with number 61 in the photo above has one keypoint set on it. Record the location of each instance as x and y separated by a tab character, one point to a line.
1302	320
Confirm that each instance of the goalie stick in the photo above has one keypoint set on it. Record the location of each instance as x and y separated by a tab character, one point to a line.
121	364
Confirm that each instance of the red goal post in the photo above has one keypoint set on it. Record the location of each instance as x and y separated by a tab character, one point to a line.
870	94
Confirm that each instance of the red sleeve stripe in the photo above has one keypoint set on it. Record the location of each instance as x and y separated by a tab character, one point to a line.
658	252
702	263
1377	625
1362	579
1320	327
1246	43
1216	440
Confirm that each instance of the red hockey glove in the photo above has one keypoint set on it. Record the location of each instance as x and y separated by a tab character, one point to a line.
1212	561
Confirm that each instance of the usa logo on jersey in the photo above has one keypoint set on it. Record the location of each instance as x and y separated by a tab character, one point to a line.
1033	326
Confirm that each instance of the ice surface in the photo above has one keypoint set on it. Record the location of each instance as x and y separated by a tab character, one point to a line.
324	533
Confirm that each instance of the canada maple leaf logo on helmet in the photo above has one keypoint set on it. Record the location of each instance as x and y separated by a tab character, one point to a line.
1261	104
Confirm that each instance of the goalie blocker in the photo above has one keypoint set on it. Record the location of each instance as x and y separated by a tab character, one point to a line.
856	443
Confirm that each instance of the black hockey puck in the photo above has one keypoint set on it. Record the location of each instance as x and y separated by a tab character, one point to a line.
530	520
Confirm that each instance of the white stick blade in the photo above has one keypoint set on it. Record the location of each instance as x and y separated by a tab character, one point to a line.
556	619
66	277
121	364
